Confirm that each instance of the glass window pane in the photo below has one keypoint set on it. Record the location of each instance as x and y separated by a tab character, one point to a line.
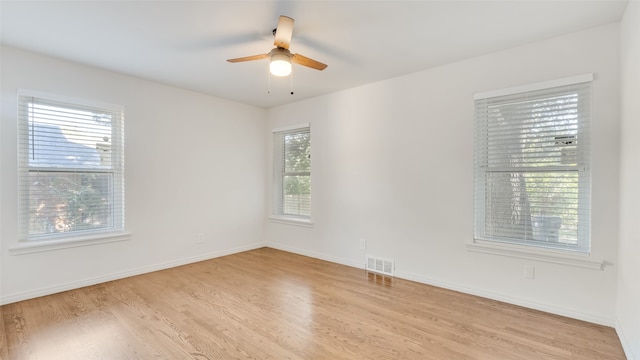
533	206
297	152
68	138
67	202
297	195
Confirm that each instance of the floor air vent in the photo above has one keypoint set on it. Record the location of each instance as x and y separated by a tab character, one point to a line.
379	265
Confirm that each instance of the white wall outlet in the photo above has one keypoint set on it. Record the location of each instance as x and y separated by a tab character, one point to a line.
363	244
529	272
200	238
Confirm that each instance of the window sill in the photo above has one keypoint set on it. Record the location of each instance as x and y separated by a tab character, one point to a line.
32	246
291	221
528	253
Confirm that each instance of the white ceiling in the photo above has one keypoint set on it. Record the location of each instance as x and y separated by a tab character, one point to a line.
186	43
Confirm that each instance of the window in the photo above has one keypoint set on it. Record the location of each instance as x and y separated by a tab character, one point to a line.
292	172
71	168
532	165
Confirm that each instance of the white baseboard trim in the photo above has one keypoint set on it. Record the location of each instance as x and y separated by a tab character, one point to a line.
626	344
7	299
316	255
461	288
348	262
510	299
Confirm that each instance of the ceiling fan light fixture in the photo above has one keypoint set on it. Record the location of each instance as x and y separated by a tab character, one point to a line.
280	58
280	65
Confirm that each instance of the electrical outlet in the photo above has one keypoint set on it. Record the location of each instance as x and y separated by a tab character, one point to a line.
529	272
200	238
363	244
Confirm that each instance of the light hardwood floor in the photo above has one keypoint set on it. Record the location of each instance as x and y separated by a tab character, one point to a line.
269	304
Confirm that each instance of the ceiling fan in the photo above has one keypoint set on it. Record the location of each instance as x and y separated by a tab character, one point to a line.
280	56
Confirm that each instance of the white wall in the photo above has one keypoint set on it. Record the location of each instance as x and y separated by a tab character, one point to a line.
628	309
393	163
194	164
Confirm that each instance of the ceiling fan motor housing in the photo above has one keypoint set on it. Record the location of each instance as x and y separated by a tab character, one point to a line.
280	52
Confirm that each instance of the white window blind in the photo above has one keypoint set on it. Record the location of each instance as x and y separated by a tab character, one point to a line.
71	168
532	167
292	172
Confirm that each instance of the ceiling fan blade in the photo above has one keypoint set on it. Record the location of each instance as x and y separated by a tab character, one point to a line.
249	58
305	61
283	32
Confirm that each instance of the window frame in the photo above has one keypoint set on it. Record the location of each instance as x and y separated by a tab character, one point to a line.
578	255
277	209
28	243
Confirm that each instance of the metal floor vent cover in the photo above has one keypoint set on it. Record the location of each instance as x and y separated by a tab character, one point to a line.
380	265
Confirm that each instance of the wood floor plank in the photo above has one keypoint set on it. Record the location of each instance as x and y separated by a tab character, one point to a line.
269	304
4	354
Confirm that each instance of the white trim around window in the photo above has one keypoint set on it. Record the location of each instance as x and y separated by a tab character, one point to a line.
291	195
536	254
70	172
68	242
532	191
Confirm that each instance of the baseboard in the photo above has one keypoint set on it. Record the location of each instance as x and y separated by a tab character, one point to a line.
510	299
316	255
347	262
626	344
124	274
461	288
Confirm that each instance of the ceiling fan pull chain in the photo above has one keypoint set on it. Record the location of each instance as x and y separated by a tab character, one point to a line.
292	81
269	83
